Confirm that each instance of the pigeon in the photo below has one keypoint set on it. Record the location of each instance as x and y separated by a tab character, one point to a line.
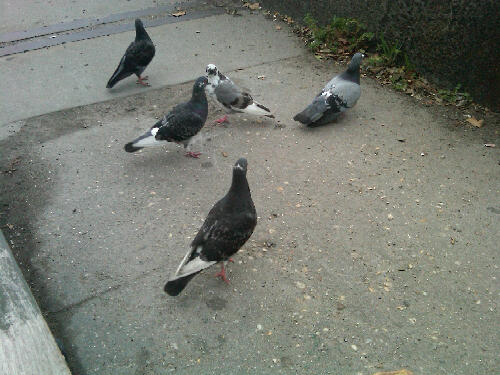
180	125
340	94
231	97
136	58
229	224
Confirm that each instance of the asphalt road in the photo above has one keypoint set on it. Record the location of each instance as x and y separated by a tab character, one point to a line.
377	241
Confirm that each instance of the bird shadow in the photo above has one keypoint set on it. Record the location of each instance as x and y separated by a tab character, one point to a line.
126	85
337	124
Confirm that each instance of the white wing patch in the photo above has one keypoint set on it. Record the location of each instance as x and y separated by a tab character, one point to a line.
148	141
195	265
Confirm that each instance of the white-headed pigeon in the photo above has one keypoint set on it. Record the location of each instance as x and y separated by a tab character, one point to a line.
232	98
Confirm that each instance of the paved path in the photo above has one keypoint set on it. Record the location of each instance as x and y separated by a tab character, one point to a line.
376	247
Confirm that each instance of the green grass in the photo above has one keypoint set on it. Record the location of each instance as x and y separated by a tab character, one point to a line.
346	33
350	35
455	95
391	52
344	36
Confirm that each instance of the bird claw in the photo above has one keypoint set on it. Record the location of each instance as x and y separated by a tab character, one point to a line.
140	81
222	275
221	120
195	155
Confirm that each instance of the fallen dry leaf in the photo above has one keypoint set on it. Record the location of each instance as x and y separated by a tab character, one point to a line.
397	372
179	13
224	154
490	145
477	123
278	27
10	226
252	6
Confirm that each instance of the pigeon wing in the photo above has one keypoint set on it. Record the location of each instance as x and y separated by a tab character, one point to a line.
223	233
180	124
231	96
138	55
348	92
314	111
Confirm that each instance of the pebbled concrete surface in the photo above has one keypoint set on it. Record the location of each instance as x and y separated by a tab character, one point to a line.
376	246
76	74
27	14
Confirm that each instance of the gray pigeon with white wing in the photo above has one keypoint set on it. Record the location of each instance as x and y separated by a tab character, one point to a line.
231	97
340	94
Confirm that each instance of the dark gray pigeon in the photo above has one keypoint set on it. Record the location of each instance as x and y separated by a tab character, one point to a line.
229	224
136	58
180	125
231	97
340	94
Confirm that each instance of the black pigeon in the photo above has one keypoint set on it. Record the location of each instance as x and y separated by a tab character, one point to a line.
136	58
229	224
340	94
180	125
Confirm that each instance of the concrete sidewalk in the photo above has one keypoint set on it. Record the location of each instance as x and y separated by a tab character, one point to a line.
75	74
375	247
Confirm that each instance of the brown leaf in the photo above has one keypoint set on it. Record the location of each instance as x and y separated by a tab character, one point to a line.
252	6
397	372
278	27
477	123
224	154
179	13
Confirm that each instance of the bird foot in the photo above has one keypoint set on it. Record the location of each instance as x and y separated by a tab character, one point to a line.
195	155
140	81
222	275
221	120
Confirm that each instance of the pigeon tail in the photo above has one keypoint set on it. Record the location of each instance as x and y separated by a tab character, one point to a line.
174	287
117	76
258	109
146	140
303	117
312	113
129	147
